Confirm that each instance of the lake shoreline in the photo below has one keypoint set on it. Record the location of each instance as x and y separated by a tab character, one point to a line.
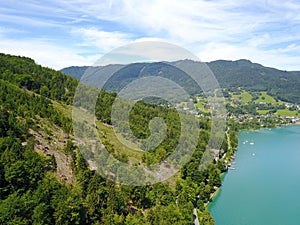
235	179
215	194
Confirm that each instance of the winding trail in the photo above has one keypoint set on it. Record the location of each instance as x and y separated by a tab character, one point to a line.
196	221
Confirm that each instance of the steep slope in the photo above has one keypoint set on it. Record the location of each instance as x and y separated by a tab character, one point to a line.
44	178
24	73
44	124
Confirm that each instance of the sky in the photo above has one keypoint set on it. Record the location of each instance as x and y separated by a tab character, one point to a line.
62	33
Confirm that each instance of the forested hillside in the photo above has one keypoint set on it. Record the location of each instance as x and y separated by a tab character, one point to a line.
253	77
36	145
282	85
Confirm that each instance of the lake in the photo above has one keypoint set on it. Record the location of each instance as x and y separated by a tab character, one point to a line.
264	188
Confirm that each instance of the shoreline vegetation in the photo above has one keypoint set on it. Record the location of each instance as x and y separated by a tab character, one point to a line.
249	110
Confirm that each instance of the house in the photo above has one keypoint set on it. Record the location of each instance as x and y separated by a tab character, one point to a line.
216	153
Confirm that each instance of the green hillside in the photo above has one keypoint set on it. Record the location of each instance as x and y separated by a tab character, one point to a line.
252	77
244	97
44	178
124	74
76	71
264	97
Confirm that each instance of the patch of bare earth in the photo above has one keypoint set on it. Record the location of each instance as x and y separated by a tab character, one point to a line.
51	141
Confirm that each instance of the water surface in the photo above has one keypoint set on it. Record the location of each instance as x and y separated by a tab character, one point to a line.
264	189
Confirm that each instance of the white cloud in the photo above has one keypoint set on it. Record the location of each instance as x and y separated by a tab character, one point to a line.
146	51
273	58
102	39
266	31
187	21
45	53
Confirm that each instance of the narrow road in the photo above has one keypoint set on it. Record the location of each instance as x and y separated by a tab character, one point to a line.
228	139
196	221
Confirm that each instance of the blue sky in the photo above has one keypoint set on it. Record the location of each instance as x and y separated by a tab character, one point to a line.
61	33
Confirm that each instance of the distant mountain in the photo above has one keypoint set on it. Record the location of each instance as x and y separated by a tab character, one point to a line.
280	84
121	75
242	73
75	71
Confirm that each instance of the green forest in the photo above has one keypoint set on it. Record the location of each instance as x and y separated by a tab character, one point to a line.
34	98
232	75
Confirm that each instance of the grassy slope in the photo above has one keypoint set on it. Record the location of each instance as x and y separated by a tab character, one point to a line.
264	97
263	112
244	97
286	112
106	134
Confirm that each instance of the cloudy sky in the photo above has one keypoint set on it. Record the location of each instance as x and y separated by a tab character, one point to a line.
60	33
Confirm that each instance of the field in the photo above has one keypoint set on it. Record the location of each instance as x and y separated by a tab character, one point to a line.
263	112
264	97
199	105
244	97
286	112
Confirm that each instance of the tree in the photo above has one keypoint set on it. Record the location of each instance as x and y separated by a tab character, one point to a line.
136	219
205	218
214	176
42	214
69	212
44	91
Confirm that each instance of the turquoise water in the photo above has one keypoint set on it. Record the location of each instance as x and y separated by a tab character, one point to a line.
265	187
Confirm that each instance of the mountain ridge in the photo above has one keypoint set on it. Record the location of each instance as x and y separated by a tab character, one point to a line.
231	75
